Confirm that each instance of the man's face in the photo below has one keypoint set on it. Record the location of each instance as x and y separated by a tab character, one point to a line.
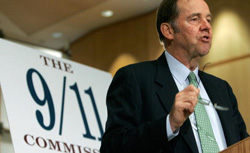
195	32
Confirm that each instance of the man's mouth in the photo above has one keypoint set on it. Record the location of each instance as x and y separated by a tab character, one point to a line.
206	38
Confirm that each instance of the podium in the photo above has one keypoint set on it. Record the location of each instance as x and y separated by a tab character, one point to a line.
240	147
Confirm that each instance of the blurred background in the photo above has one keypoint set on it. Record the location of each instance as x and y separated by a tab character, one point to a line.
109	34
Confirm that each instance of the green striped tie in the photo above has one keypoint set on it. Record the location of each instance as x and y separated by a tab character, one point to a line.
207	139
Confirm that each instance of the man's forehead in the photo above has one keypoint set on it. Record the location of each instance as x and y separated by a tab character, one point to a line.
188	0
194	6
191	2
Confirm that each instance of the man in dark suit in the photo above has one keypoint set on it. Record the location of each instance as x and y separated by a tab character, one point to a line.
152	106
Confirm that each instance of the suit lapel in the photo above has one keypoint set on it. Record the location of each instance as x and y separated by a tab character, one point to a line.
225	116
168	88
212	90
167	94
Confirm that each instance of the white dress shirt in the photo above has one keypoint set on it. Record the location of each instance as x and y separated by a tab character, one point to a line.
180	73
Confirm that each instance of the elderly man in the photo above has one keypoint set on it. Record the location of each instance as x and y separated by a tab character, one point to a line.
167	105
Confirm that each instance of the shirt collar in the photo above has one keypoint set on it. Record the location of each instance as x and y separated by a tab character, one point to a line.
179	71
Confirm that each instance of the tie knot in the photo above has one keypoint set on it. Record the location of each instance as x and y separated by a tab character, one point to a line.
192	79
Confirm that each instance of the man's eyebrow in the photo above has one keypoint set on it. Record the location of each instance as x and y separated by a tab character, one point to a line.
198	14
210	15
194	14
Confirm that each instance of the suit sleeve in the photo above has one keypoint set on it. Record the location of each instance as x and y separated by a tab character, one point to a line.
125	131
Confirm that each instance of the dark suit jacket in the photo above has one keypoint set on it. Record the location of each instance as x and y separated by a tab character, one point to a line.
138	101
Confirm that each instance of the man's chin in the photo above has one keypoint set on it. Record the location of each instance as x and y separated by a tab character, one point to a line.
203	53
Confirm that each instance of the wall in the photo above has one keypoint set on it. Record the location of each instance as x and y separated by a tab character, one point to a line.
120	44
136	40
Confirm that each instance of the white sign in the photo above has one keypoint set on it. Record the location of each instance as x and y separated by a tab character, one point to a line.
53	105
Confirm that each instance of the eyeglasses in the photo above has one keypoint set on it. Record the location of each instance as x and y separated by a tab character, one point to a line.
207	102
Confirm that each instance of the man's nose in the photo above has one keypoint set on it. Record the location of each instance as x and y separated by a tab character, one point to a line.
206	25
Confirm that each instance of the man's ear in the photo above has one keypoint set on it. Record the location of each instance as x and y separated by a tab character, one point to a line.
167	31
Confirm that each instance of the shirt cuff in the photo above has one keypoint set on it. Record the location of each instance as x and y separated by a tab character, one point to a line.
170	133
